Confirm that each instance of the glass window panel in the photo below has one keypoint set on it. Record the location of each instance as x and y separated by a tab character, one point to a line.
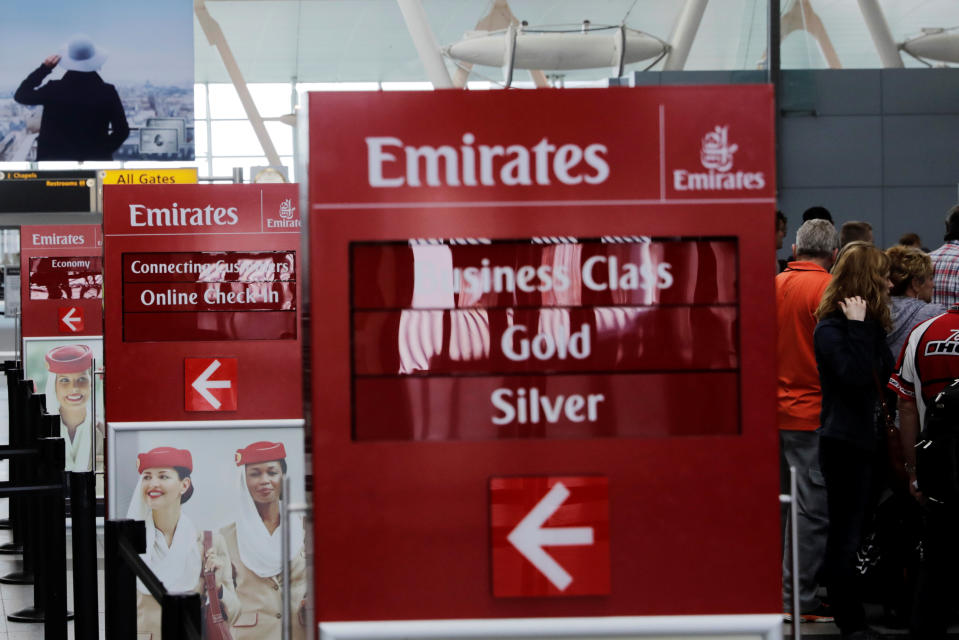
282	137
303	87
407	86
236	138
179	164
224	103
271	99
225	166
201	142
199	101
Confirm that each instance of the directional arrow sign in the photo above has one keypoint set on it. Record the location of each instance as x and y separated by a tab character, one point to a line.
210	384
70	319
535	552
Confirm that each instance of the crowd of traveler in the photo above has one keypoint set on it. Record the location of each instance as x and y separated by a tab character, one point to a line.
863	350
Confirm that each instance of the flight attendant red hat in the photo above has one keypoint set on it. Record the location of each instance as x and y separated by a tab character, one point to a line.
260	452
165	457
71	358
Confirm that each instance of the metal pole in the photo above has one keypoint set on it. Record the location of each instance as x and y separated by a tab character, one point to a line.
774	77
83	517
93	415
794	546
681	41
285	554
16	334
425	42
881	36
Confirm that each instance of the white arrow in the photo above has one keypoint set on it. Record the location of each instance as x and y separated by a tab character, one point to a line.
529	537
68	318
203	384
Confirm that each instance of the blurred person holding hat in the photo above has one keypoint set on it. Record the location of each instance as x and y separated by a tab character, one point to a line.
254	545
174	545
69	392
83	118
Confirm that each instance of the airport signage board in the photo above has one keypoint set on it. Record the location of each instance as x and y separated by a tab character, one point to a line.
149	176
544	348
61	279
203	309
48	191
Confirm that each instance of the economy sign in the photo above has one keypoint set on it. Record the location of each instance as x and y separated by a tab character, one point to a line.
541	346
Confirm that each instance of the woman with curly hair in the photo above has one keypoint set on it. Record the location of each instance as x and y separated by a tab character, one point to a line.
854	363
911	273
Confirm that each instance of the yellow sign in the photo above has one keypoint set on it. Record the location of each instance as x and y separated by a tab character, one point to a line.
149	176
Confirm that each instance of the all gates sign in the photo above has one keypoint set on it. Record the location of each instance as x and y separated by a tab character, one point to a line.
541	373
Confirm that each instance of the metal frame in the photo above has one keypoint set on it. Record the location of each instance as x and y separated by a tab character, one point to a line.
767	627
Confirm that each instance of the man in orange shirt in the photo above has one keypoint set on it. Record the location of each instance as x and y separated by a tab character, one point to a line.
798	290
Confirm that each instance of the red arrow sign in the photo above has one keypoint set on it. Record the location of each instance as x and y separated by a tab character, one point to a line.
70	319
550	536
210	384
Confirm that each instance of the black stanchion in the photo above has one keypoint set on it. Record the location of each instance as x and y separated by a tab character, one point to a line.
125	540
41	519
53	535
180	614
17	389
45	498
31	520
9	368
119	580
83	516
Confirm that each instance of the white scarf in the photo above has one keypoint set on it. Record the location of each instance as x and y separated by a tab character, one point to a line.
178	566
259	549
76	451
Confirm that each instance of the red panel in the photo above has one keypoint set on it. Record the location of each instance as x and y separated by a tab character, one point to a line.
210	326
214	266
559	406
147	350
549	536
598	339
525	274
406	522
209	296
61	262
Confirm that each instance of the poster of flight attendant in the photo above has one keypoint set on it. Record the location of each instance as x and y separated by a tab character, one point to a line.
67	372
97	80
185	479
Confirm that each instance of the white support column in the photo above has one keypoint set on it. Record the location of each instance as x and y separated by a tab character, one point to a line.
684	33
426	45
881	36
215	37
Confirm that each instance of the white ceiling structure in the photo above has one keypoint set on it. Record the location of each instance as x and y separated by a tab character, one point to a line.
367	40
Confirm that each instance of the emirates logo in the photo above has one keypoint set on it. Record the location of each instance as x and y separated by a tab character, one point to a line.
717	153
287	209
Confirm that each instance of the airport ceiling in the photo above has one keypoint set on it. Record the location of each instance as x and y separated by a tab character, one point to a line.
367	40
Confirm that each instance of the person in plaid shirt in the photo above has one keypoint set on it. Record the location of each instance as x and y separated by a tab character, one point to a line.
945	261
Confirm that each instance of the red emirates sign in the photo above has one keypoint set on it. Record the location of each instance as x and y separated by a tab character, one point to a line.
210	384
550	536
566	320
200	271
70	319
61	287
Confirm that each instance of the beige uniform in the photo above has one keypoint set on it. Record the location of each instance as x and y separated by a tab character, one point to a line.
149	610
261	599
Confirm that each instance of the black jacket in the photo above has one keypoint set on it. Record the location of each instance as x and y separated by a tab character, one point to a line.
854	364
83	118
